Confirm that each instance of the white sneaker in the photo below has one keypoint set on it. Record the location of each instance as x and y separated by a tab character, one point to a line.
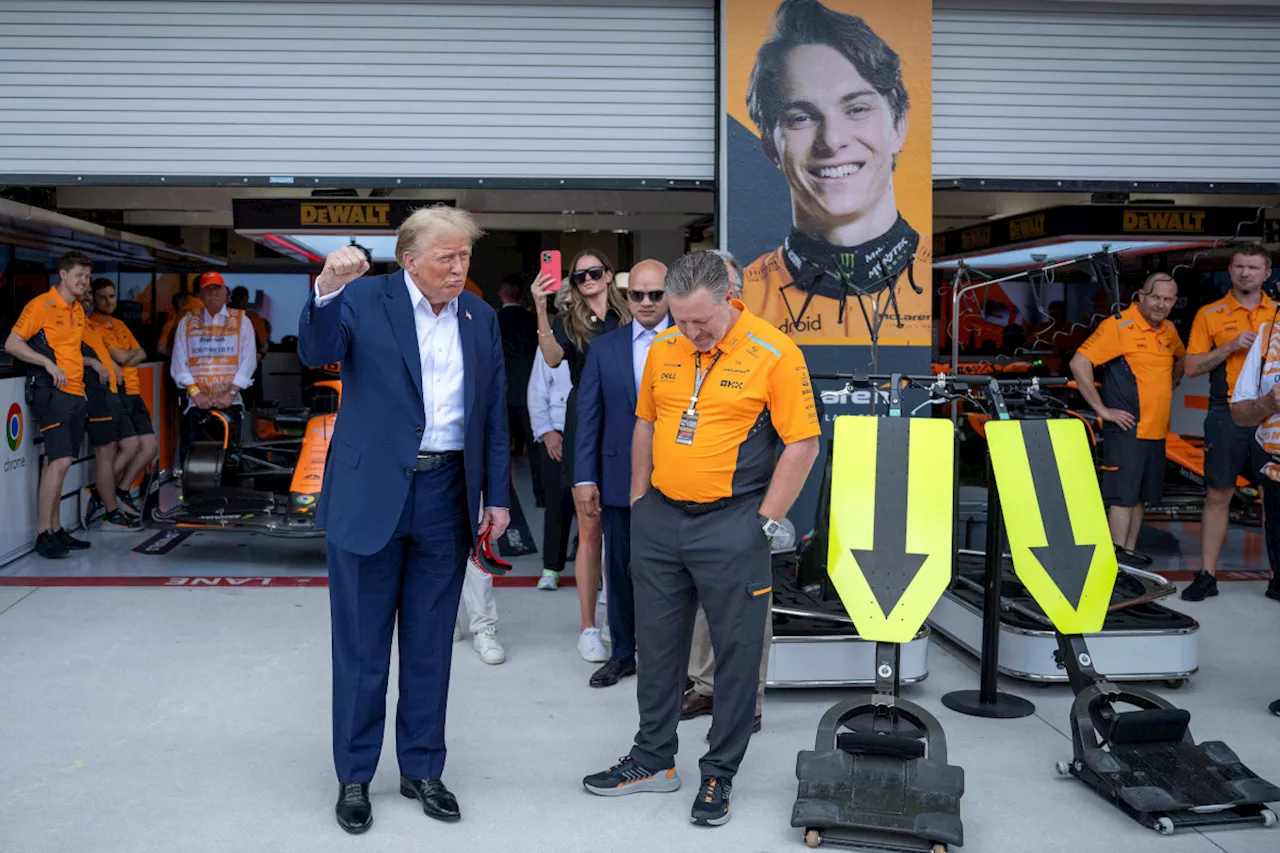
549	580
590	647
487	646
603	599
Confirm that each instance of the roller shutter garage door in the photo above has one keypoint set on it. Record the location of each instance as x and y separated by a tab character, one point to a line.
584	90
1099	92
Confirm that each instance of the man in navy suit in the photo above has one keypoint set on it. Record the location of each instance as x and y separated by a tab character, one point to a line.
602	452
421	436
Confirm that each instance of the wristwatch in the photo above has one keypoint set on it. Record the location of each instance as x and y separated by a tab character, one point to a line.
768	525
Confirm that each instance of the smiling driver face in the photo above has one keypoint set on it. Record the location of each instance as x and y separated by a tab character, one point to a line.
835	143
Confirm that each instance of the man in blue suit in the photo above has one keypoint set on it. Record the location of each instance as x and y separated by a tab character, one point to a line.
602	453
421	437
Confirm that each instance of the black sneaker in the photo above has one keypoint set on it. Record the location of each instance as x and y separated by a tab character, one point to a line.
1274	707
1204	586
48	545
628	777
119	521
1273	592
1132	558
124	501
70	541
711	807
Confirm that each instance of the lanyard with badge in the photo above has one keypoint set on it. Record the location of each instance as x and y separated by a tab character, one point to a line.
689	420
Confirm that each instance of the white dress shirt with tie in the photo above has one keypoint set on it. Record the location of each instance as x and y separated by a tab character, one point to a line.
440	351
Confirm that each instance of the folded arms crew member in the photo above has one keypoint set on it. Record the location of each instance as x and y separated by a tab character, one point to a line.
421	438
135	453
109	424
48	337
1142	355
1221	336
708	490
214	357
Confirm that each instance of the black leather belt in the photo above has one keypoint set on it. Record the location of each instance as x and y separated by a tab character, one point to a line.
694	508
432	461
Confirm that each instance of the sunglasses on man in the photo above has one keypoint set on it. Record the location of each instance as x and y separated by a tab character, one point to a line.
594	273
638	296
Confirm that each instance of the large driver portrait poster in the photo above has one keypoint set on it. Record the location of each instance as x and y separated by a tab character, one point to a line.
829	178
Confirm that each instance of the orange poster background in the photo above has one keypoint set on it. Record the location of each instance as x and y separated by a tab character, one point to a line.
907	26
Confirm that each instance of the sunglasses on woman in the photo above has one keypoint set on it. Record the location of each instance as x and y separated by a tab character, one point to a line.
579	276
638	296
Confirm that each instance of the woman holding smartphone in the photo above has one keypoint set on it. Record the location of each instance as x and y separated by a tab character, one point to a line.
594	307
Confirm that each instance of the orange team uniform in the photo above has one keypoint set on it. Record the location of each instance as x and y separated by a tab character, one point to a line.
821	322
213	351
191	303
1219	323
55	329
98	347
1138	376
759	379
118	336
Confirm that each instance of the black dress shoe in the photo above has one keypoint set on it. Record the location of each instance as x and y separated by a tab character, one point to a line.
355	815
1273	592
437	802
612	672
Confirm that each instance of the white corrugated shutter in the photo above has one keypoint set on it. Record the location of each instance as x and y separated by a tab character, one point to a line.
1047	91
587	89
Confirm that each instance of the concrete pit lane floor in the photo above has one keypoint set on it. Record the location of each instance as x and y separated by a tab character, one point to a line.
150	719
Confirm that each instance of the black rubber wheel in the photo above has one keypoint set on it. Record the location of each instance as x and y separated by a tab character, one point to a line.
1274	707
1175	683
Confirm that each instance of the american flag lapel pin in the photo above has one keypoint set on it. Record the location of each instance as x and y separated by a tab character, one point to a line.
468	315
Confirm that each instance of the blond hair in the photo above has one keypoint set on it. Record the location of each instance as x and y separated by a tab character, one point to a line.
427	223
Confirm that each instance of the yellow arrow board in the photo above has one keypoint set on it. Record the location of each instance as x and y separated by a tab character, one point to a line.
1057	526
891	521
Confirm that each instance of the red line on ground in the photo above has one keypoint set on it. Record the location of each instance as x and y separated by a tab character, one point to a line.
220	582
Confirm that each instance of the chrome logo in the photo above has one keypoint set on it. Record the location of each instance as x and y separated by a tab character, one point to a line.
13	427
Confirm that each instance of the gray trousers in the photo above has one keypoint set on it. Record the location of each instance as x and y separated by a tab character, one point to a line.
702	660
721	559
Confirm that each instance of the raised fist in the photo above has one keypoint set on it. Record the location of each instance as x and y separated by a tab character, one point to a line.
341	268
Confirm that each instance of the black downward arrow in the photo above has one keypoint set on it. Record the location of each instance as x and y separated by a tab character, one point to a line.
1066	563
888	567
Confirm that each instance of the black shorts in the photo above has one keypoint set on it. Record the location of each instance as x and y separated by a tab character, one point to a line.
1132	468
108	421
61	418
1230	450
136	408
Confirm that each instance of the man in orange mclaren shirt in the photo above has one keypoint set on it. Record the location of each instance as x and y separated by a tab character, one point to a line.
828	98
48	338
1143	358
136	451
214	358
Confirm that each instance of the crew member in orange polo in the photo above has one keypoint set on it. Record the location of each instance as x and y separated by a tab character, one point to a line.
135	454
48	336
214	357
1220	339
1143	358
708	490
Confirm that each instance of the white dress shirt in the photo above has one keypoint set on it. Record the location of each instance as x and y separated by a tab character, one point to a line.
245	366
440	352
547	395
641	340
